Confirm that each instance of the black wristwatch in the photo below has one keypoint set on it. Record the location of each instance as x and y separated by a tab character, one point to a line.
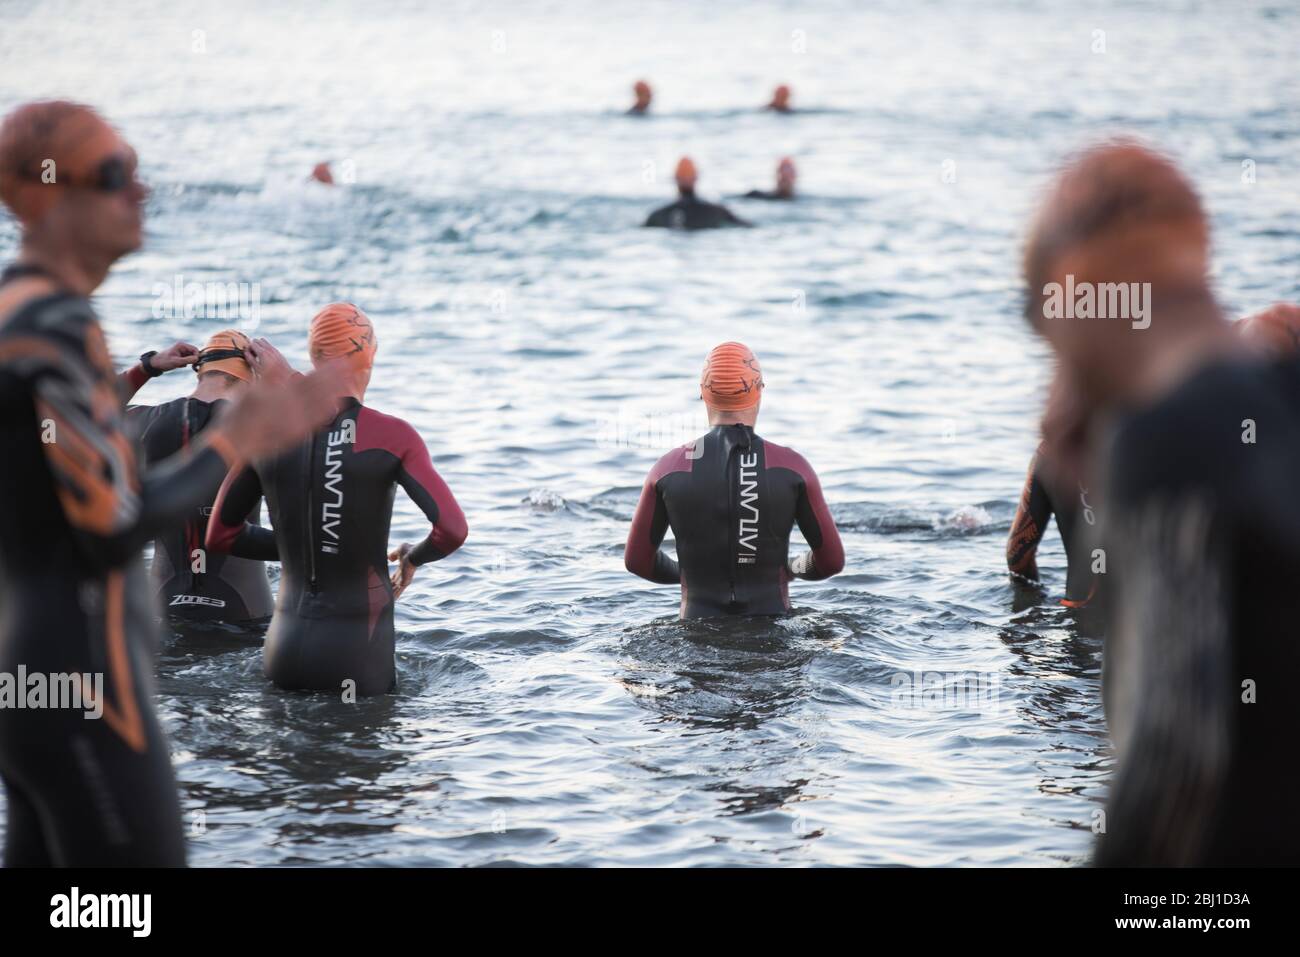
148	366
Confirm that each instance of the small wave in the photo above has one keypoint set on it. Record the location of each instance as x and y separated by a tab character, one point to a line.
544	500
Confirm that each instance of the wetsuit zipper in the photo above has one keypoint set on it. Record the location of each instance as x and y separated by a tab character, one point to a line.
733	526
311	516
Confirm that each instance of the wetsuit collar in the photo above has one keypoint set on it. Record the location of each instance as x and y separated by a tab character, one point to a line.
22	271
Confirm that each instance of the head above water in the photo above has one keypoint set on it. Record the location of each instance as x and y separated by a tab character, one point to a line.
641	89
686	175
731	384
1120	235
785	176
342	332
780	98
322	173
221	363
1275	331
70	180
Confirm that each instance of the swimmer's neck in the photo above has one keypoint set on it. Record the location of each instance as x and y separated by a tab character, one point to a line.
719	417
1157	364
73	266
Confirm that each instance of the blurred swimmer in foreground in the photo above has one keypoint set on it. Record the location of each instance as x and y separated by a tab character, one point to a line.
785	178
1202	520
732	499
80	507
690	212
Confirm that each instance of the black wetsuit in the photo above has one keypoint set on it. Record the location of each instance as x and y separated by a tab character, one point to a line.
75	597
192	584
768	194
732	499
1076	520
692	213
330	502
1203	533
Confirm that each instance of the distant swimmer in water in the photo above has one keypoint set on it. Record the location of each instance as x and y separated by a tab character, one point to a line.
1057	486
1201	517
322	173
1275	331
780	102
79	509
690	212
330	503
731	499
192	584
641	90
785	177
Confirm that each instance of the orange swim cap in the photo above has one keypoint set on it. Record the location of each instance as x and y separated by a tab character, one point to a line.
685	173
321	173
641	88
342	331
224	352
732	379
1277	328
49	144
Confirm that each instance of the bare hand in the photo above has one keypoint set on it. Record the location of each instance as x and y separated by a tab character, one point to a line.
174	356
271	416
405	570
266	361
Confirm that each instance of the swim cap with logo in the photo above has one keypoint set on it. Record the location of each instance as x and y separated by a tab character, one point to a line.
342	332
732	379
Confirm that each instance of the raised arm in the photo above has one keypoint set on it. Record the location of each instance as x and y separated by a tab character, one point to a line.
112	508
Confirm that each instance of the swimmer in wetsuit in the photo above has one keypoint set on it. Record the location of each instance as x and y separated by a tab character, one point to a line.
191	584
330	503
641	90
731	499
1202	521
690	212
73	589
1056	486
785	179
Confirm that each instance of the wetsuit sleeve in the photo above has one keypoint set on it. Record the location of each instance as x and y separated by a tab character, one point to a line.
732	218
642	555
819	531
111	507
1032	516
130	381
426	489
228	527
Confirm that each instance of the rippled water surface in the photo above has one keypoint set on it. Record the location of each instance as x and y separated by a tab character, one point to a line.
552	710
